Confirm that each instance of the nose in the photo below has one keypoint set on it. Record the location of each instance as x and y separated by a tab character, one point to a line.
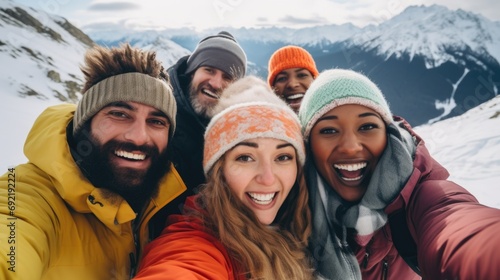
349	144
293	82
217	81
137	133
265	174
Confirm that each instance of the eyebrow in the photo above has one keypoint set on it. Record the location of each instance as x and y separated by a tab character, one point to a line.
159	113
255	145
281	146
295	71
367	114
363	115
121	104
125	105
248	144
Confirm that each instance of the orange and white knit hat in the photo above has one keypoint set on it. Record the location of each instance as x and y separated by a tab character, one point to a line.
290	57
270	118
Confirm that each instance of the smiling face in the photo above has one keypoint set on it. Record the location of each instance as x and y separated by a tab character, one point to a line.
206	86
261	172
131	137
291	85
346	144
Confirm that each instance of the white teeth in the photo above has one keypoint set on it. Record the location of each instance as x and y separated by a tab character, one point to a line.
262	199
295	96
350	167
128	155
352	179
211	94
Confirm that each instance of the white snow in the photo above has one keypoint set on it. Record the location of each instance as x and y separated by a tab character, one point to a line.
469	147
16	118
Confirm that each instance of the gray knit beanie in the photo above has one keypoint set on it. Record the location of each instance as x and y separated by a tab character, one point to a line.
220	51
135	87
336	87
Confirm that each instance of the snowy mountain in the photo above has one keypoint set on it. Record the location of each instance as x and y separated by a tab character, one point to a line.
432	63
42	52
434	33
38	46
40	56
166	50
423	46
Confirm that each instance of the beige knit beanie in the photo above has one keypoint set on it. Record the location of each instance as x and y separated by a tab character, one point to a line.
128	87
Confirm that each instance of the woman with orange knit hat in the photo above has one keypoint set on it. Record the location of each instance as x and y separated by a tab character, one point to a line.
291	70
251	219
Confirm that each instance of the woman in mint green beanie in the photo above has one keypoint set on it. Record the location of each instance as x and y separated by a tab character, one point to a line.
365	170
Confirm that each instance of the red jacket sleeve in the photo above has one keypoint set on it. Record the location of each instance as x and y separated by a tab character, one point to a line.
185	251
457	238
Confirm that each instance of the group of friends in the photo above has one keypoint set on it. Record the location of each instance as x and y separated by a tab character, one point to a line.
200	171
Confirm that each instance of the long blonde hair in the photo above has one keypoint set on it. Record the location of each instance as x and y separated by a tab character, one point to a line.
263	252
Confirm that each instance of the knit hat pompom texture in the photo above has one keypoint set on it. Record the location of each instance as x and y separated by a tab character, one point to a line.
245	118
128	87
220	51
290	57
336	87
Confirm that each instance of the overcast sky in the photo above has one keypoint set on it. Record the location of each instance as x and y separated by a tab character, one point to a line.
203	14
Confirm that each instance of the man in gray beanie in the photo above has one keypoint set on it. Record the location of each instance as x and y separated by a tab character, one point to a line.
220	51
198	81
97	174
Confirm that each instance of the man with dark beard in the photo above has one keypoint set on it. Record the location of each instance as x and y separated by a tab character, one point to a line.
98	172
198	80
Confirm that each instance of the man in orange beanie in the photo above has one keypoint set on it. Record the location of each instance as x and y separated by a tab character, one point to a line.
291	70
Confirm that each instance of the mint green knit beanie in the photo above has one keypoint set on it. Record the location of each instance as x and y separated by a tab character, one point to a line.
336	87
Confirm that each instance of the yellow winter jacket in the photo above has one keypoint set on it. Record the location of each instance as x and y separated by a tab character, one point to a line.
54	224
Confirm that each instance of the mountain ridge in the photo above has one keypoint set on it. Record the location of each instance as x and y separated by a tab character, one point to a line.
427	57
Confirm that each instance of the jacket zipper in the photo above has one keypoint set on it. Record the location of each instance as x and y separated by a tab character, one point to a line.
385	269
346	248
364	264
132	265
133	255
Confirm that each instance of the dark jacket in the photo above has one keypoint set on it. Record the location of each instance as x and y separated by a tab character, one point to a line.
186	143
456	237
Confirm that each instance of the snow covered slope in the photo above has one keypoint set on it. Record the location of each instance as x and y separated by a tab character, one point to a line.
469	147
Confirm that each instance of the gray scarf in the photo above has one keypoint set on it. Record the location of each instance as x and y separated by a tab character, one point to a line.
333	217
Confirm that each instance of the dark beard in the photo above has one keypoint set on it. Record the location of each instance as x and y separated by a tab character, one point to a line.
135	186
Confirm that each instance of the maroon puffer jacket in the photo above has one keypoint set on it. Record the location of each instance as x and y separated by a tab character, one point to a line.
456	237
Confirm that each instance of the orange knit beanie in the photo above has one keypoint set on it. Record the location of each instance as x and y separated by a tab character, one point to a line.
253	111
290	57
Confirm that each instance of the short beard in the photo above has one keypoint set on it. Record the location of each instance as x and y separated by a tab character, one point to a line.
135	186
201	109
